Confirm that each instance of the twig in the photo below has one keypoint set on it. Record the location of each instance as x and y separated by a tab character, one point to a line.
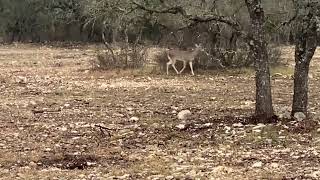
103	129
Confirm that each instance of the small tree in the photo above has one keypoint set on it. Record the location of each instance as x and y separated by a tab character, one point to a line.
307	24
258	47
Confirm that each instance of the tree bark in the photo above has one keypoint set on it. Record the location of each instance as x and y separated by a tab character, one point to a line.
306	25
258	46
300	95
305	49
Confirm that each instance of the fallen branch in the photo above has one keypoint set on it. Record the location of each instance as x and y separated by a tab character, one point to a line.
103	129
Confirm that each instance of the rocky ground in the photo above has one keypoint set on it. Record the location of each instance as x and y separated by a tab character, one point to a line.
61	120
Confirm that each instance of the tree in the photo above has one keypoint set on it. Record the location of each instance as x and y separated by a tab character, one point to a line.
255	39
307	25
258	47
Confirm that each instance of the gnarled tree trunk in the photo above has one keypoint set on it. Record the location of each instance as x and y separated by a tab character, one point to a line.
258	47
307	23
306	44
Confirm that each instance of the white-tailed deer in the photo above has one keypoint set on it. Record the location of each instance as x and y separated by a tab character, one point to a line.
184	56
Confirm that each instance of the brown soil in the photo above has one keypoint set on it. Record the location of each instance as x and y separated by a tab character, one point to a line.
61	120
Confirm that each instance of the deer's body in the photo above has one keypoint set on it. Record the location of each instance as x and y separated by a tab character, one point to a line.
184	56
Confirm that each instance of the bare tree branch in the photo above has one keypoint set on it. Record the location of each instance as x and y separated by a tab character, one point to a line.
196	19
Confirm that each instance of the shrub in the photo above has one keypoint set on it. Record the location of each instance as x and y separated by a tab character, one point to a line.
133	57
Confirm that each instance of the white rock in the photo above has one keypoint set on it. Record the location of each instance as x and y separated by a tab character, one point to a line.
299	116
134	119
33	103
184	114
285	115
256	130
169	177
222	170
64	129
48	149
237	125
259	126
315	174
130	108
32	164
257	164
118	115
174	108
181	126
274	165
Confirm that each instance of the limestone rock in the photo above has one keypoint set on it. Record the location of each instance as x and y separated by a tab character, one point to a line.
184	114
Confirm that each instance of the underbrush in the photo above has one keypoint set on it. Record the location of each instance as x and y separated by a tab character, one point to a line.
123	58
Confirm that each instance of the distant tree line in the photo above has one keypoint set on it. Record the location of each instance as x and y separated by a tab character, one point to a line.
85	20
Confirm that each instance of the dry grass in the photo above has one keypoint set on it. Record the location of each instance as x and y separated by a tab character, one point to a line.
51	102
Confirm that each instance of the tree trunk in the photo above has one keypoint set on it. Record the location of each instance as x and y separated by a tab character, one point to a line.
300	95
258	47
305	49
305	46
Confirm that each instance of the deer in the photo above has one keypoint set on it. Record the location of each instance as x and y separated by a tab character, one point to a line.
187	56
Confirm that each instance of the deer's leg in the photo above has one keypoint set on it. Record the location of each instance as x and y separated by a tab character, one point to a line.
184	66
191	67
171	62
174	67
168	64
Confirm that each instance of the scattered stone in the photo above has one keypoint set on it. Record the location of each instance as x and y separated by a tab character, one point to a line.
48	150
181	126
299	116
315	174
257	164
64	129
259	126
174	108
257	130
82	175
222	170
33	103
318	130
237	125
33	164
269	141
285	115
131	113
184	114
118	115
134	119
274	165
213	98
21	80
169	178
129	108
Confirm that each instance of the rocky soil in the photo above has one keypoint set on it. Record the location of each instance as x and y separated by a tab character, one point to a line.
61	120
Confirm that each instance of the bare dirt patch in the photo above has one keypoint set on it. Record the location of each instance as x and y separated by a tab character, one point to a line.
59	119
